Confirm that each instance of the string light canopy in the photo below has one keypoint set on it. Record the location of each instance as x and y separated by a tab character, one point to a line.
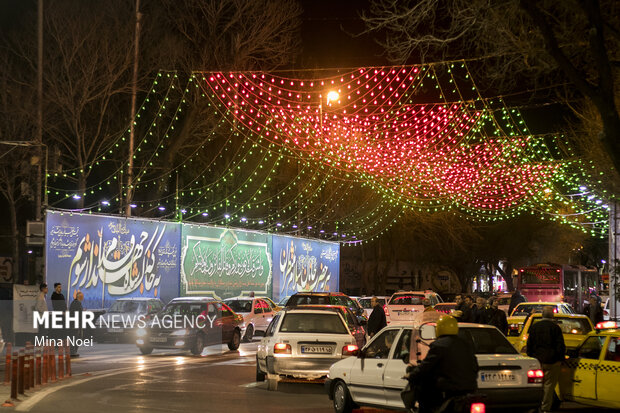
344	156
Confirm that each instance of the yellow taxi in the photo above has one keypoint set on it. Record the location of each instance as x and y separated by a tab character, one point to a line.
275	306
523	310
591	374
575	328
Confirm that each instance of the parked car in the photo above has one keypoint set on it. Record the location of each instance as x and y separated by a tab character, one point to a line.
575	328
120	321
356	327
218	325
303	343
590	376
404	305
283	301
504	301
275	307
375	376
523	310
332	298
257	314
607	314
365	303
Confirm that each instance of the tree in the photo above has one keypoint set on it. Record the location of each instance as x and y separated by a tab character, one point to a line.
567	48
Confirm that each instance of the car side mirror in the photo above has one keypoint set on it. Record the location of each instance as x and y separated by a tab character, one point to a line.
427	332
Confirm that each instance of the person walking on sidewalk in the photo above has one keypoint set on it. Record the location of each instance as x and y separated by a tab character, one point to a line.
76	309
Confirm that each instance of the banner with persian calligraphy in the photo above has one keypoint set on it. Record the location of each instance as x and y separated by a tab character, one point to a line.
225	262
111	257
304	265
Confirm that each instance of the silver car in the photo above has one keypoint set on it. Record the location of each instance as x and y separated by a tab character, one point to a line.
303	343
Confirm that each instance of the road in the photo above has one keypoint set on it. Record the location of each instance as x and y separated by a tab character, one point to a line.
115	377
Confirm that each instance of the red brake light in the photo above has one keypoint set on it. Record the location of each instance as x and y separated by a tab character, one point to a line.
282	348
535	376
386	311
349	349
477	408
606	324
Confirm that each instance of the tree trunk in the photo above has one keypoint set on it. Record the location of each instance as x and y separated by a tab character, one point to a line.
15	240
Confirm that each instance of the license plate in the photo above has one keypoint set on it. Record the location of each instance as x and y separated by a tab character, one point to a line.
317	349
497	377
115	330
158	339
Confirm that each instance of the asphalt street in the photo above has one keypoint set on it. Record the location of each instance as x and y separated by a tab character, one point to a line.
116	378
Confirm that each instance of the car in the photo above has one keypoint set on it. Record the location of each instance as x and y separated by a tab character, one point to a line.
406	305
375	377
365	303
575	328
275	307
590	375
356	327
303	343
257	314
333	298
203	321
523	310
445	308
119	322
283	301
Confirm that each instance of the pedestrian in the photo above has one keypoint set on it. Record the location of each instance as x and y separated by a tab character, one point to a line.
480	312
546	344
593	309
58	299
41	304
468	310
76	309
516	299
497	317
377	320
427	305
450	368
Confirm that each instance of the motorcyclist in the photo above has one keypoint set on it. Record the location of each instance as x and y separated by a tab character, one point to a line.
449	370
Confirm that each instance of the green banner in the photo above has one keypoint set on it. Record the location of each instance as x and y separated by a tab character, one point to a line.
224	262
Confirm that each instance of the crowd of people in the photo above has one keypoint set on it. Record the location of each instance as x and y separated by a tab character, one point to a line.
482	311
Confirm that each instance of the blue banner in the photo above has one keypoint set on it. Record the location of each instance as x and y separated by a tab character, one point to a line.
304	265
111	257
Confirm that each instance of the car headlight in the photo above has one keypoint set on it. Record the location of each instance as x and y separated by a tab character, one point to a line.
182	332
141	332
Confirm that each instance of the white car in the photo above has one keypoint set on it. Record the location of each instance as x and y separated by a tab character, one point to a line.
257	314
607	313
504	301
303	343
365	303
375	376
407	305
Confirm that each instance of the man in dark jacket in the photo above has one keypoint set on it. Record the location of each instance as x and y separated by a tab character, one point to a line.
593	309
76	309
497	317
377	320
450	368
516	299
546	343
58	299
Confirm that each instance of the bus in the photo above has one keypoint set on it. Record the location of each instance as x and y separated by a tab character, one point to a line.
556	282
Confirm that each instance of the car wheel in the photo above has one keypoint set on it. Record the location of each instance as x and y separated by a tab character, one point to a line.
260	376
199	345
234	342
146	349
342	398
249	333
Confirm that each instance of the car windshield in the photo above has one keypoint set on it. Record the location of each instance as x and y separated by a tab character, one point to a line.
326	323
487	340
527	309
283	301
187	309
407	299
240	306
124	306
570	325
365	302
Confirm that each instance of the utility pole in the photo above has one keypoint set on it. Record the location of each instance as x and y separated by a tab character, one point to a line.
614	258
38	212
134	92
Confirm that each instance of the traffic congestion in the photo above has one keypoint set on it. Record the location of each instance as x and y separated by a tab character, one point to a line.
370	359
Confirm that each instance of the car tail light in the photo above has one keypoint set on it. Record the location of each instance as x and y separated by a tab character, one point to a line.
282	348
386	311
349	349
535	376
606	324
477	408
